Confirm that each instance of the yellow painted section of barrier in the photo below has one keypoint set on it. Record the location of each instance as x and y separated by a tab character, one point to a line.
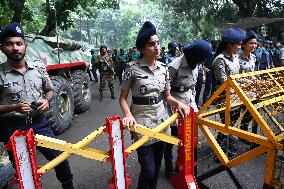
153	134
145	138
61	145
258	94
81	144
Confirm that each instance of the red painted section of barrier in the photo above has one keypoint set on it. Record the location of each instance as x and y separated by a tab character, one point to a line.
113	181
31	145
185	179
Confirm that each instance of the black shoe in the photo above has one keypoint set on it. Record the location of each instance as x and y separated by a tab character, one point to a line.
112	96
68	185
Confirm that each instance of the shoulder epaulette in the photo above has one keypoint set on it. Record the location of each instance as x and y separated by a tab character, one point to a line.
132	63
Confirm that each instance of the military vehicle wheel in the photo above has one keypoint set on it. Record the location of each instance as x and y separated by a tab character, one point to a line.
81	91
61	107
6	168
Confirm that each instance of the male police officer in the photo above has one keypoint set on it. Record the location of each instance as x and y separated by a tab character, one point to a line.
25	92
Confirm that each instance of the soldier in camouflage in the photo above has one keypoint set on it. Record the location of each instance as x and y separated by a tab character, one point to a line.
107	71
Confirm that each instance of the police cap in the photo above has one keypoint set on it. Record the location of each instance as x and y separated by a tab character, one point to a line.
250	35
147	30
12	30
173	44
197	52
233	35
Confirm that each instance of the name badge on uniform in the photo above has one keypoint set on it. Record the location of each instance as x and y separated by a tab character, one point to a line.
141	77
15	97
143	89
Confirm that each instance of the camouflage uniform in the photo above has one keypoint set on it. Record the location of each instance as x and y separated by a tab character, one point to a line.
107	71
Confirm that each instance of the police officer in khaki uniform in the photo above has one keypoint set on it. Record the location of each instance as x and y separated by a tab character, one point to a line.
25	92
106	70
226	63
148	81
247	64
246	57
183	76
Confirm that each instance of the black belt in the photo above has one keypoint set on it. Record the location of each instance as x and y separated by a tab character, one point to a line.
179	89
147	100
23	120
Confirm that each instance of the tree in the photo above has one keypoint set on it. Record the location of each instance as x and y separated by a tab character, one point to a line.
28	11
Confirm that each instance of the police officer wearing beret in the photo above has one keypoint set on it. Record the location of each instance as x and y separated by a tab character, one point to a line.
25	92
227	63
247	64
148	81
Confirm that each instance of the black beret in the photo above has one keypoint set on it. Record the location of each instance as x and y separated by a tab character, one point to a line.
250	35
173	44
197	52
12	30
147	30
233	35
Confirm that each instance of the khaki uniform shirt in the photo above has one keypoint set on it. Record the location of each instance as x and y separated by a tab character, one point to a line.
146	83
224	66
30	86
181	75
247	63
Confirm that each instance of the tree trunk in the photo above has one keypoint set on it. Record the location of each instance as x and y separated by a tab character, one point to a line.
19	6
246	8
61	14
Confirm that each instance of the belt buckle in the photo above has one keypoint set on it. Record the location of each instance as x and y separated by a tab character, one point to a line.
152	100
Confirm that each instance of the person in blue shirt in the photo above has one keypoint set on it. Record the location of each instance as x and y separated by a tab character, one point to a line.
135	54
210	82
121	64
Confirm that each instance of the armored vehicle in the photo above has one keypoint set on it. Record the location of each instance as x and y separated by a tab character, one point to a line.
66	63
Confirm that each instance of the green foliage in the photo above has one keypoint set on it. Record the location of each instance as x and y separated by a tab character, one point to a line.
6	12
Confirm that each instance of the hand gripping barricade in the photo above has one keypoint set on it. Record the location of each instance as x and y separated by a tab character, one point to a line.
23	145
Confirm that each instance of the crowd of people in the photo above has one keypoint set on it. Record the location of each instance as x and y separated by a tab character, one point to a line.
159	82
162	82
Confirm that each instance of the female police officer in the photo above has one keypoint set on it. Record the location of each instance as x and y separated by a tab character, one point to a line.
183	74
148	80
247	64
226	63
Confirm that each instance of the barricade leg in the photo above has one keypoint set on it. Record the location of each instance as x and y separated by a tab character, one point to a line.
23	146
185	177
117	155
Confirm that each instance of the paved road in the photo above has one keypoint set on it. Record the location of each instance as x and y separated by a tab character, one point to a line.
90	174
